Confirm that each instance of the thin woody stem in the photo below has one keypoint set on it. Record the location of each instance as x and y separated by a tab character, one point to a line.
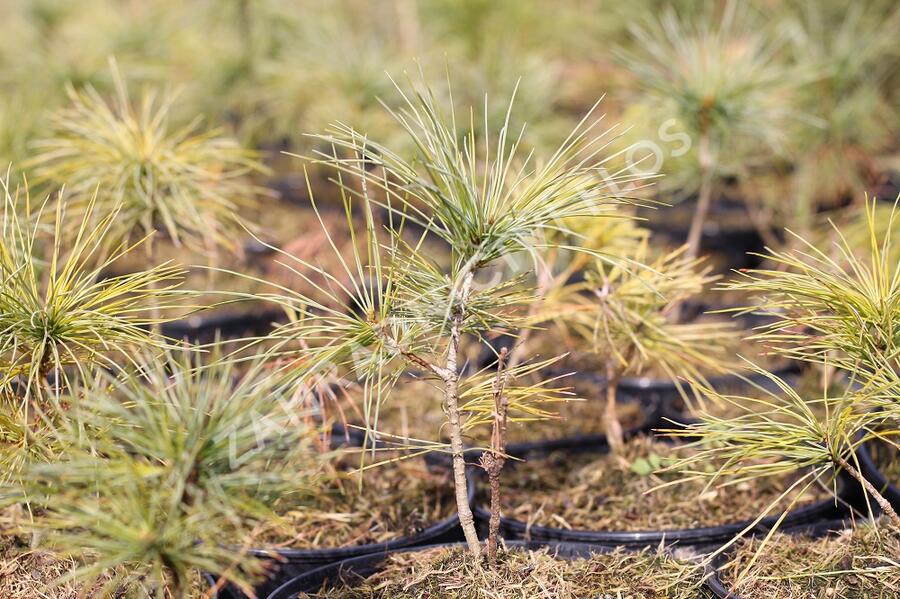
451	386
883	503
707	171
614	434
494	460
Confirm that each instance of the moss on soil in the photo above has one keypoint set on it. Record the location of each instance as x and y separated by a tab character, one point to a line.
452	574
860	563
590	491
393	500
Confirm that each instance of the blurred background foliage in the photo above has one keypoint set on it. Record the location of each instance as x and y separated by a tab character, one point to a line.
268	71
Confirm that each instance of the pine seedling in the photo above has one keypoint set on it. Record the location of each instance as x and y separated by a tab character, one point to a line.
167	461
623	310
721	79
187	183
851	49
838	306
56	308
840	312
405	309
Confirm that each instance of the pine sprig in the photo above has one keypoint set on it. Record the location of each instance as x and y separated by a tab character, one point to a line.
56	307
187	182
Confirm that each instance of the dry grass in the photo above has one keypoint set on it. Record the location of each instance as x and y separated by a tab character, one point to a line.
393	500
29	574
861	563
450	574
34	574
604	492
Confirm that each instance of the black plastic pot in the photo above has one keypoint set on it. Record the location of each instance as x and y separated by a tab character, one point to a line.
290	563
205	328
718	587
652	408
735	243
370	564
869	469
665	392
693	537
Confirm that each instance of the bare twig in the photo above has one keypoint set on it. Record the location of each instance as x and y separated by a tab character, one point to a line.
883	503
493	461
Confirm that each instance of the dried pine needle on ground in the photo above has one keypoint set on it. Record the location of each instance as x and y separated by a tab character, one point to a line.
860	563
591	491
451	573
397	499
27	573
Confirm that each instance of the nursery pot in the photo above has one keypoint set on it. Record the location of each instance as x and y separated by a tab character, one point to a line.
728	230
651	407
693	537
205	328
869	469
720	589
291	563
367	565
665	392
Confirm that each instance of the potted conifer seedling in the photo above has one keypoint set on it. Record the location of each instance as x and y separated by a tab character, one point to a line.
717	81
606	493
170	470
840	311
58	316
411	313
185	184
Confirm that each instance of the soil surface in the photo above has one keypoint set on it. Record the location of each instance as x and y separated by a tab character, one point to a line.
451	574
382	504
591	491
857	563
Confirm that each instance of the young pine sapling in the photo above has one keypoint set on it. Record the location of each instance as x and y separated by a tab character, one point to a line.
720	78
851	52
57	309
188	183
482	206
841	312
623	310
165	462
